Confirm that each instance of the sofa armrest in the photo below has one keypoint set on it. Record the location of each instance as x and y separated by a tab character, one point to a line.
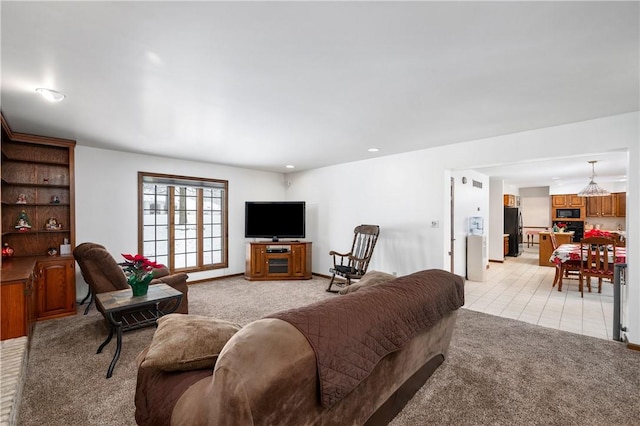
160	272
268	360
179	282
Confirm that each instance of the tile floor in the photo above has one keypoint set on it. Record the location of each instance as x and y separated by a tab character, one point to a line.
520	289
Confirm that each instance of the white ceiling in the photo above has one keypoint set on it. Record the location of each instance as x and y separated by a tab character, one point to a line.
265	84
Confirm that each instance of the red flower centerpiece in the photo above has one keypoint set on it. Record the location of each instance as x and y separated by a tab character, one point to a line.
597	233
139	272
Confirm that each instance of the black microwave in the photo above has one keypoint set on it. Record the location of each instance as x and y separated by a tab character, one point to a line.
568	213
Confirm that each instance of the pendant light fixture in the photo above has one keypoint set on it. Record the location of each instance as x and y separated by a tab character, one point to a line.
51	95
593	189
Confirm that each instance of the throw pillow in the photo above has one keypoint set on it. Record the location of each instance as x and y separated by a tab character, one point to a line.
187	342
370	278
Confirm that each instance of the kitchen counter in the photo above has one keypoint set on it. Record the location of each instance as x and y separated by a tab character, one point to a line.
545	249
505	238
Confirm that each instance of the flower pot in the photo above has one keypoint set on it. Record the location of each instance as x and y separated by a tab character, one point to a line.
139	283
139	288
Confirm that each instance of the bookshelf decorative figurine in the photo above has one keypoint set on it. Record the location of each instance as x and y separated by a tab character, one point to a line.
22	199
7	250
22	224
52	224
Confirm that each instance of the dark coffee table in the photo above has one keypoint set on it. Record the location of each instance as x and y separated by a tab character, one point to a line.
125	312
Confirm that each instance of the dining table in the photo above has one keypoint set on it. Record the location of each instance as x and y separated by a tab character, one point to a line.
571	252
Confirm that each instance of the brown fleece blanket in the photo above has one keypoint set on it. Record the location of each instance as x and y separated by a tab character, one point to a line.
351	333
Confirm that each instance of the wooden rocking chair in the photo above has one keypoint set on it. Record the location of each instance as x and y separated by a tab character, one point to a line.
354	264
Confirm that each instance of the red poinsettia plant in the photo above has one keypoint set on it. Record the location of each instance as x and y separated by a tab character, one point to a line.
139	272
597	233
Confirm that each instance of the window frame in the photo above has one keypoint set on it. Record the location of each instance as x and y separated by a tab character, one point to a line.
173	181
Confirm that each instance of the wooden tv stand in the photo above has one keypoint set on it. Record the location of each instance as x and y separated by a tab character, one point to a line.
282	260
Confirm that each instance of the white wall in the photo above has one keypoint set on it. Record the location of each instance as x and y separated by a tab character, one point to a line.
496	220
107	200
536	209
379	192
469	201
403	193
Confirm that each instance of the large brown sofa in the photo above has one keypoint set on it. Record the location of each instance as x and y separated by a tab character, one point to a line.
349	360
102	273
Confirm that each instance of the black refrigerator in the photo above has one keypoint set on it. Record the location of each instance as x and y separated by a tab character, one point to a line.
513	227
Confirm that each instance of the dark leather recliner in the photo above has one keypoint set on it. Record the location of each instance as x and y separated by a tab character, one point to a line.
102	273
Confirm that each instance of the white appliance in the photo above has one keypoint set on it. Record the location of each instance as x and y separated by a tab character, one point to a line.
477	258
476	225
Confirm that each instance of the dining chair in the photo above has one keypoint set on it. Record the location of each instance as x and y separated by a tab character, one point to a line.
597	256
554	246
567	268
619	239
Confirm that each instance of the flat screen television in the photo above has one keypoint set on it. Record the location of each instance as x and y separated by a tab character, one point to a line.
274	219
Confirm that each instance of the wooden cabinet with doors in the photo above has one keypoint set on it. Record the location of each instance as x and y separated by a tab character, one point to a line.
17	298
621	204
567	200
278	261
255	260
301	260
612	205
510	200
601	206
55	289
37	218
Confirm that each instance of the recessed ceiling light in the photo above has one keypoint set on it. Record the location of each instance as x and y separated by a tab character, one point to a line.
290	166
373	149
50	95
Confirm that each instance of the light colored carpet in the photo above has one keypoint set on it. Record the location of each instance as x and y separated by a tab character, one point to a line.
499	371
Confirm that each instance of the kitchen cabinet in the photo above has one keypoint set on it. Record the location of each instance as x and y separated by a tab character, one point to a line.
613	205
545	248
567	200
510	200
621	204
